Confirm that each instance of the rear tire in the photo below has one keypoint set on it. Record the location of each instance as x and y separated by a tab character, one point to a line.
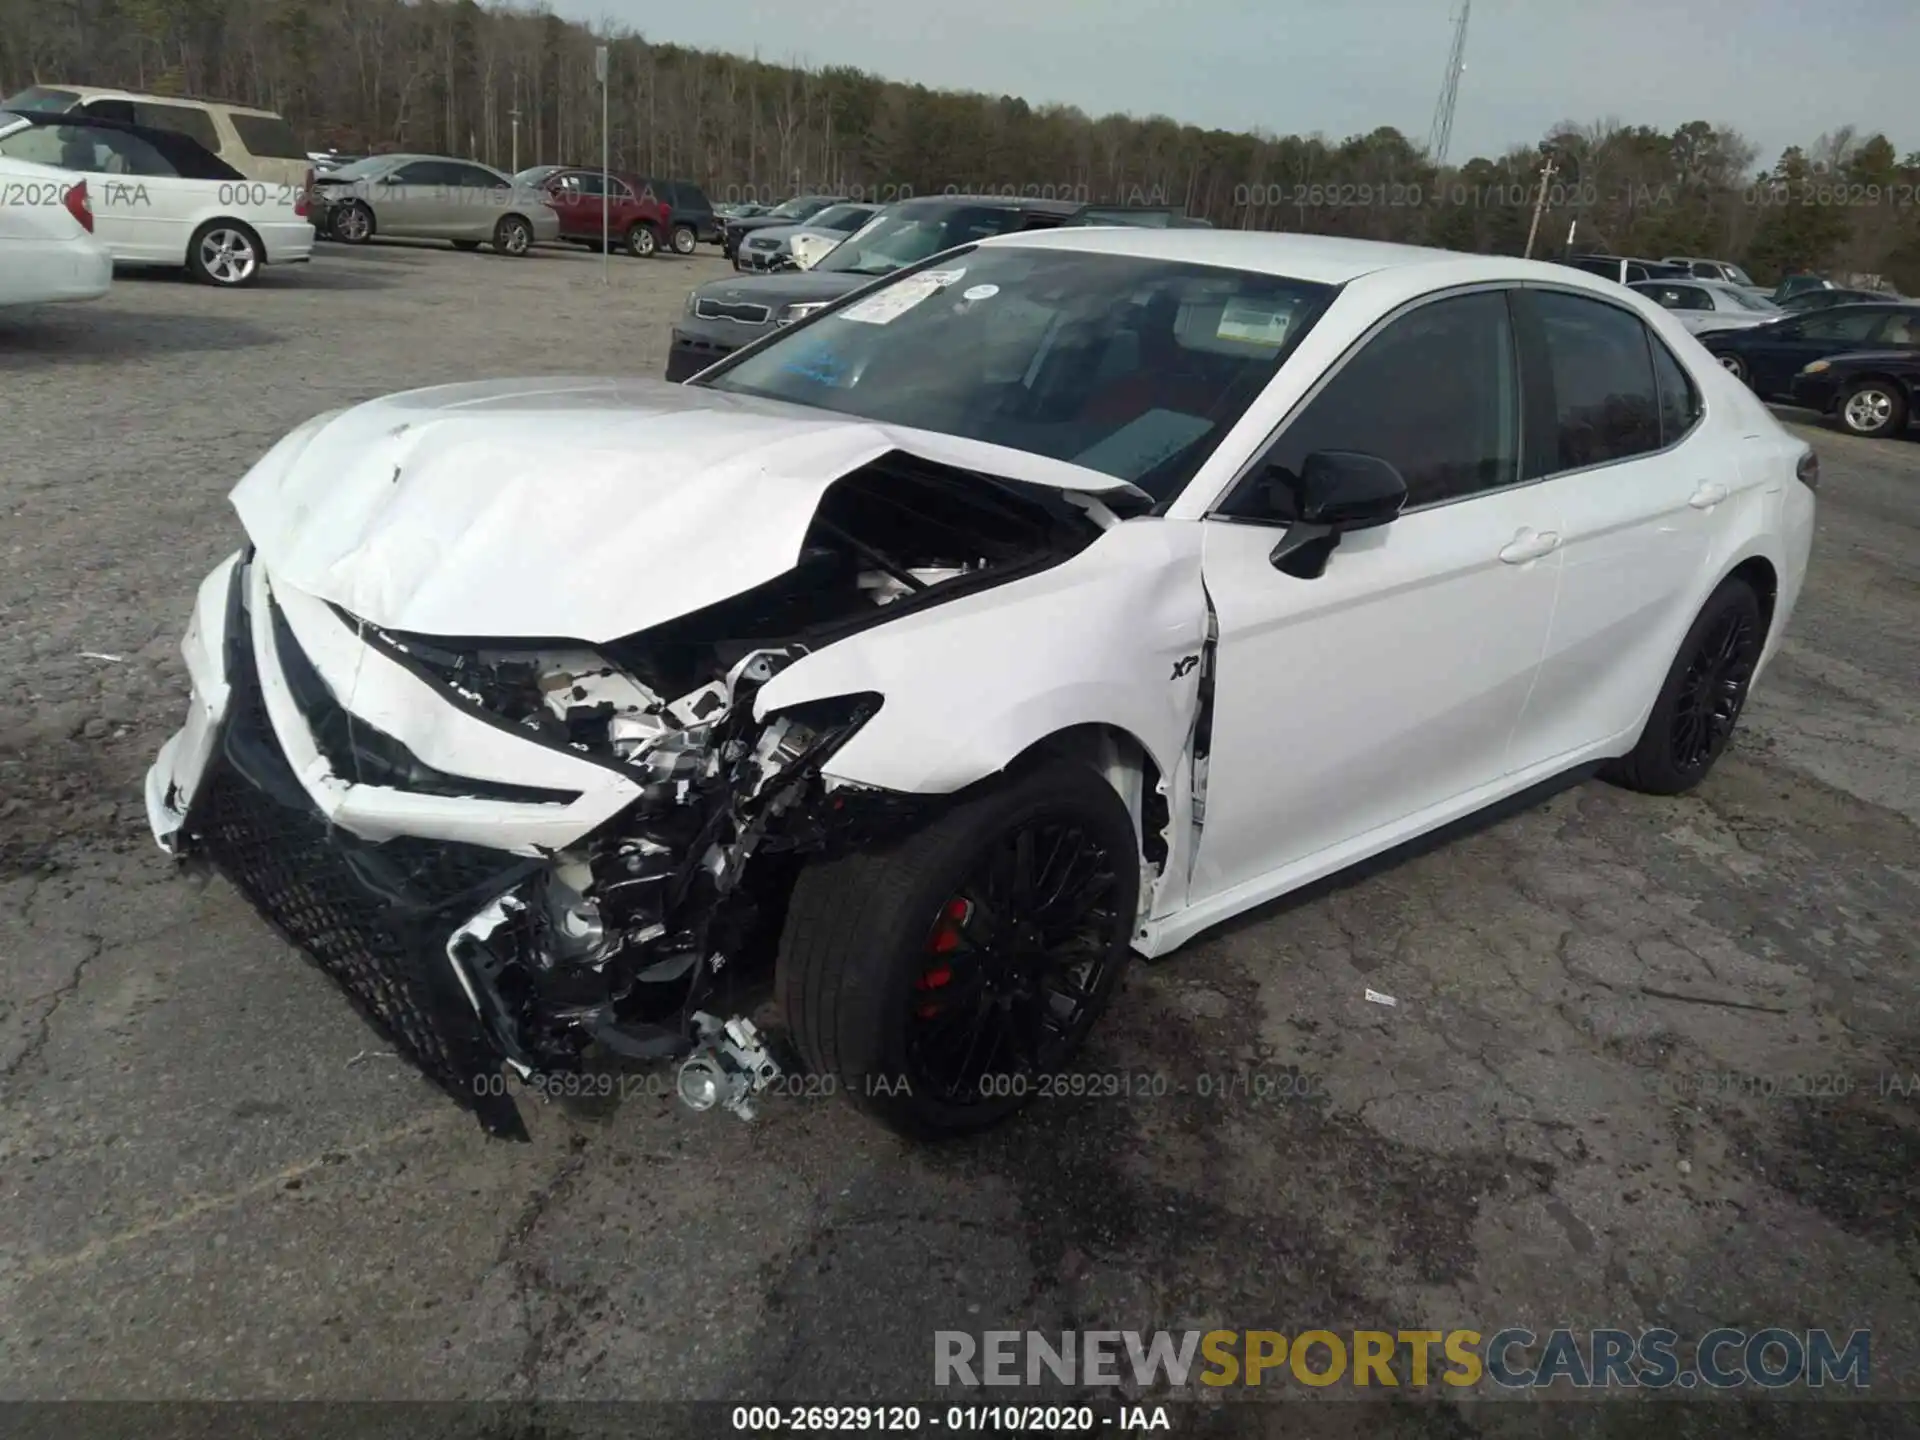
512	236
1874	409
642	243
921	979
226	254
1700	702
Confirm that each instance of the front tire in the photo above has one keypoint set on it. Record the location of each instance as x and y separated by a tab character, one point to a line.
352	224
224	253
1701	700
1874	409
938	981
512	236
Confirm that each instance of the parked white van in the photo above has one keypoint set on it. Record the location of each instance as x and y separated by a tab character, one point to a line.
257	143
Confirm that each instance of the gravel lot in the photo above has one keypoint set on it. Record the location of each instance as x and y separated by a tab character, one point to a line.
215	1185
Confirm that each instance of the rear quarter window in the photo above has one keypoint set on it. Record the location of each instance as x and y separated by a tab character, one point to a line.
268	137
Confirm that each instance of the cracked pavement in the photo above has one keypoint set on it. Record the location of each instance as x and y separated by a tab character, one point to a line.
1649	1064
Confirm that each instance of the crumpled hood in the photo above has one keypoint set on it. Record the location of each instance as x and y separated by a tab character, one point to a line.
583	509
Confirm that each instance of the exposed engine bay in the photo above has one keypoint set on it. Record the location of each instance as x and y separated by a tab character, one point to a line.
628	942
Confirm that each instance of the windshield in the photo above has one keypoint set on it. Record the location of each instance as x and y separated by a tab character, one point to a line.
840	217
799	208
535	174
1133	367
1739	276
891	241
1752	302
41	98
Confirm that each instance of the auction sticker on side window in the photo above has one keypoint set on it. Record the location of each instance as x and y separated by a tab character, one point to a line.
896	300
1252	323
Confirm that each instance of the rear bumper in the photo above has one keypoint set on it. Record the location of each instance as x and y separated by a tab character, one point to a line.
287	242
61	272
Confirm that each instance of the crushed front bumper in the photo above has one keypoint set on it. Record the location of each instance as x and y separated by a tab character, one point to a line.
241	786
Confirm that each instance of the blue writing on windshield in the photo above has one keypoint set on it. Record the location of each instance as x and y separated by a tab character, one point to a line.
819	364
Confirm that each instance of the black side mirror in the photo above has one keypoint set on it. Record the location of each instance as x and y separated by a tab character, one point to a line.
1338	491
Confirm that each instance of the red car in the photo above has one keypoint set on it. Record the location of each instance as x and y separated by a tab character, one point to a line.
586	200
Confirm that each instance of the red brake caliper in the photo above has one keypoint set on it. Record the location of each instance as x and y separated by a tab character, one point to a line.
946	939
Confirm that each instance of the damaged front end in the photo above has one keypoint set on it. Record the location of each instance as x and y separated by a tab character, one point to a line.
547	854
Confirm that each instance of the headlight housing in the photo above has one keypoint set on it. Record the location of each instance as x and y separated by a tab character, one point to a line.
790	313
1815	368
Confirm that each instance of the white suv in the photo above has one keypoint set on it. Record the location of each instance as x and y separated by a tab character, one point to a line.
257	143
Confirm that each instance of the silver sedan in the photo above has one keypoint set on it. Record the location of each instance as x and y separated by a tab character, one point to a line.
1703	305
431	197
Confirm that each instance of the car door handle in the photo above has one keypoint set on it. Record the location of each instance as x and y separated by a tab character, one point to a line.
1530	545
1707	496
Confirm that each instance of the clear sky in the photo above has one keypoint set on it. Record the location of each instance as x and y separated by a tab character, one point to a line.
1780	71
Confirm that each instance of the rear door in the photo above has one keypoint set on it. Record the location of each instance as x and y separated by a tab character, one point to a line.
477	198
1617	446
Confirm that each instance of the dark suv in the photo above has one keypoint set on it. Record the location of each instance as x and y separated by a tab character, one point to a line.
724	315
693	217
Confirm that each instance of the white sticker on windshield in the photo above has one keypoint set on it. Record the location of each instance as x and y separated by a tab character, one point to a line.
1253	324
979	292
894	301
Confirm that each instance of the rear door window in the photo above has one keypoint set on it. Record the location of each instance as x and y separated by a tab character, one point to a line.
189	120
1606	402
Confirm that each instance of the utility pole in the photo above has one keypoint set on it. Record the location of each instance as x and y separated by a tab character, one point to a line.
606	181
1539	204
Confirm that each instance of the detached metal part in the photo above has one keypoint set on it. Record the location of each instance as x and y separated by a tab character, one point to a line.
729	1066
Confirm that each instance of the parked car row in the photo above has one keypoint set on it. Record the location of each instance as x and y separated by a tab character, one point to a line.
158	197
1859	364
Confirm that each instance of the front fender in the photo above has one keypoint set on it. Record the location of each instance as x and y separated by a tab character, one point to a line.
1102	639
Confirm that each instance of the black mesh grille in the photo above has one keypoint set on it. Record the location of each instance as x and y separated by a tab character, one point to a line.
374	918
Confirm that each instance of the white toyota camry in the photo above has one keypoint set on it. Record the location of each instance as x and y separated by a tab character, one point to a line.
159	198
1053	600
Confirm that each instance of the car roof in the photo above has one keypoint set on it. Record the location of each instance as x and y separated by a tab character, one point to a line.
186	154
114	92
1323	259
1025	203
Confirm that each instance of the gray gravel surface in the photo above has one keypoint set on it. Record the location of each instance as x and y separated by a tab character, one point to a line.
216	1184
